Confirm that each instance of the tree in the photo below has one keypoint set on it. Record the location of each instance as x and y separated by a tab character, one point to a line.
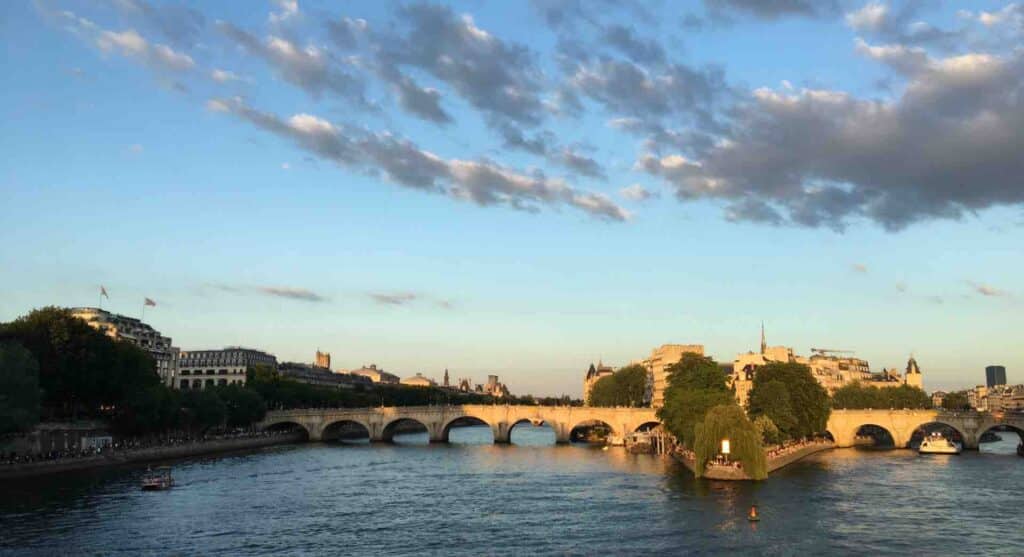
80	368
772	400
205	409
728	421
956	401
695	385
859	397
770	434
19	388
244	406
808	401
625	387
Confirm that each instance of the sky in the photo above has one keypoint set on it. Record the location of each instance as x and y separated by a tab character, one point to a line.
523	188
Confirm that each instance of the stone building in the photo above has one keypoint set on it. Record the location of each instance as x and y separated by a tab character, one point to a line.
321	376
227	366
323	359
594	374
376	375
130	329
419	380
657	365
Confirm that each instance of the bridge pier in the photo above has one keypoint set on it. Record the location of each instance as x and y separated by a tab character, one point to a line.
502	433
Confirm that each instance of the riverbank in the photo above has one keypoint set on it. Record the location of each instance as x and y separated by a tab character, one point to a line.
151	454
730	473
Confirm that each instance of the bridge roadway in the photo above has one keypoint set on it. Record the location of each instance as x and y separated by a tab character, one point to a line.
381	422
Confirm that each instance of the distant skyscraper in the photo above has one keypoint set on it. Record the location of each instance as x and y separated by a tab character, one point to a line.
995	375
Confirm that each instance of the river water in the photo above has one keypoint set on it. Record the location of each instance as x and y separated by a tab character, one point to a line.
529	498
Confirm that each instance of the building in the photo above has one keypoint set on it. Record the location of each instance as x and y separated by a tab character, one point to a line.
937	398
995	376
321	376
594	374
833	369
323	359
657	367
419	380
495	388
130	329
1001	398
376	375
227	366
978	398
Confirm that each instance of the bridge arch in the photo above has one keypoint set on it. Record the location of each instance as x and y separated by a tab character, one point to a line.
919	432
463	421
287	425
403	425
346	429
526	426
1003	427
646	426
576	431
876	436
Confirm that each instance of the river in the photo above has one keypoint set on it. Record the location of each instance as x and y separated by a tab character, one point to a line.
529	498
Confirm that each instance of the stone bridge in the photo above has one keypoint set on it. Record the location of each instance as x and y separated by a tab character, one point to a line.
901	424
381	422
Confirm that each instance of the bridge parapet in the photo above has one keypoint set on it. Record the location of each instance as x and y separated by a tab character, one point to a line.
901	424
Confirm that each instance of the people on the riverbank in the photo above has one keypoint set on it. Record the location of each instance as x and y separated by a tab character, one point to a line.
136	443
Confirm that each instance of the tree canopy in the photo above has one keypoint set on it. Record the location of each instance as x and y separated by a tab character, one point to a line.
956	401
625	387
728	421
695	385
19	388
793	399
859	397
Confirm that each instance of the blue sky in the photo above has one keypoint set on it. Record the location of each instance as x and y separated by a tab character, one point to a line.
521	188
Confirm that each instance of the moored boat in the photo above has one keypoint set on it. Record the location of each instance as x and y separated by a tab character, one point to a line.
936	443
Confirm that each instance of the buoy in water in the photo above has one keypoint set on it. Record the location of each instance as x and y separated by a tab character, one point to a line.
752	516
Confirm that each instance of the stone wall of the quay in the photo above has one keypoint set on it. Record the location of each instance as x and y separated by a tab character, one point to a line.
737	474
787	459
135	456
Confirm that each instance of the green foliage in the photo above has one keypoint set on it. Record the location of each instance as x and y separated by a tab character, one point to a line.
244	406
770	434
19	388
625	387
80	369
859	397
155	408
956	401
802	412
728	421
204	409
695	385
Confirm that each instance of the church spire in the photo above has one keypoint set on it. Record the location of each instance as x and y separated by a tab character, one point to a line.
764	344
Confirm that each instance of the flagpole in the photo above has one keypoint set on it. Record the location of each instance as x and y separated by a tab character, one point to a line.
143	318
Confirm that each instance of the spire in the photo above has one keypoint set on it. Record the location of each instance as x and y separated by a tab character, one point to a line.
764	344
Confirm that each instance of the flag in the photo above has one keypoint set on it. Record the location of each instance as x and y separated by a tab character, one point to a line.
103	292
150	302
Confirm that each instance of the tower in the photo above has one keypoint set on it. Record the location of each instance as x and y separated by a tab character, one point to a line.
323	359
913	375
764	343
445	377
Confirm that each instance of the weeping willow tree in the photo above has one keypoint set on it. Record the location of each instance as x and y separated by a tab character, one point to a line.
728	421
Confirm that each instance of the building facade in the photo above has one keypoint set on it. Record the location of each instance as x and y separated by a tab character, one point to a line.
376	375
657	367
323	359
228	366
130	329
419	380
321	376
995	376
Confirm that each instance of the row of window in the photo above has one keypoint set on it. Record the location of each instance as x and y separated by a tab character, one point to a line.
212	372
199	383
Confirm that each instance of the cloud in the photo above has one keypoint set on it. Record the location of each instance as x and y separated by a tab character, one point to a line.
859	268
418	101
130	44
948	146
483	182
496	77
223	76
179	24
986	290
774	9
899	26
579	164
135	148
347	33
636	192
311	68
291	293
901	286
394	299
642	51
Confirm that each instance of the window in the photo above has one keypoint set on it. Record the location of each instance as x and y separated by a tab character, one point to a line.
186	372
222	382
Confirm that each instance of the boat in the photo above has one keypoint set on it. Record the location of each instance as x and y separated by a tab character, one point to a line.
936	443
158	480
1020	449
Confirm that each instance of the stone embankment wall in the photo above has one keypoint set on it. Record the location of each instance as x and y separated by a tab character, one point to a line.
733	474
145	455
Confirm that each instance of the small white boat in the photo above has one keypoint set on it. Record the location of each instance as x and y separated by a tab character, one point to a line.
157	481
936	443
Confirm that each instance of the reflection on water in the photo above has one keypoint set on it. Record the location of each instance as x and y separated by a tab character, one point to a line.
472	497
